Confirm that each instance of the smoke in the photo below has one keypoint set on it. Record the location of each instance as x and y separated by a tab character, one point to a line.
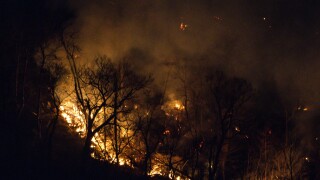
149	32
115	27
238	36
260	41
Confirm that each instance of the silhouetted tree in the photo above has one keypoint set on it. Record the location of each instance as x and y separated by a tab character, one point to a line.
226	99
102	85
150	127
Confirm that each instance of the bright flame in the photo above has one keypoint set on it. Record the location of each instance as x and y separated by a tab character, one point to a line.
74	117
177	105
173	107
156	170
103	147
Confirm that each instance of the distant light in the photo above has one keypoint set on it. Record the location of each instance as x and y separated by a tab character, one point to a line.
307	159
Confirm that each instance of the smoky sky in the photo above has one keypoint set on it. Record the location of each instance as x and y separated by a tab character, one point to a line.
260	41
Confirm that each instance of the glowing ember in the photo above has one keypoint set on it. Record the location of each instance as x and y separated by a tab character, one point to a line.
307	159
183	26
166	132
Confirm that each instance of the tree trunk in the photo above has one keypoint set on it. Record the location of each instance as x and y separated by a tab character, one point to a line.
210	172
146	163
195	166
50	135
216	158
39	120
115	117
224	157
86	147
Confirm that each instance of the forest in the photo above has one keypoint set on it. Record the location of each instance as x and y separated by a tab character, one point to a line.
159	90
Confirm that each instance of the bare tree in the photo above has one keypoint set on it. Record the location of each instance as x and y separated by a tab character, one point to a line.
56	71
227	97
50	74
191	92
176	130
46	57
104	85
150	127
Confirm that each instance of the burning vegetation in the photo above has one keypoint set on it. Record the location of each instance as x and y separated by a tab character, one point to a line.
187	90
124	120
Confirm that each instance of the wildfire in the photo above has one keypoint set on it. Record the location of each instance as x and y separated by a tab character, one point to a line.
178	106
103	147
172	108
74	117
156	170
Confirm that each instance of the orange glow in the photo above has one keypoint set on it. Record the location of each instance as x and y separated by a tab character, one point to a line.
183	26
177	105
103	148
166	132
172	108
